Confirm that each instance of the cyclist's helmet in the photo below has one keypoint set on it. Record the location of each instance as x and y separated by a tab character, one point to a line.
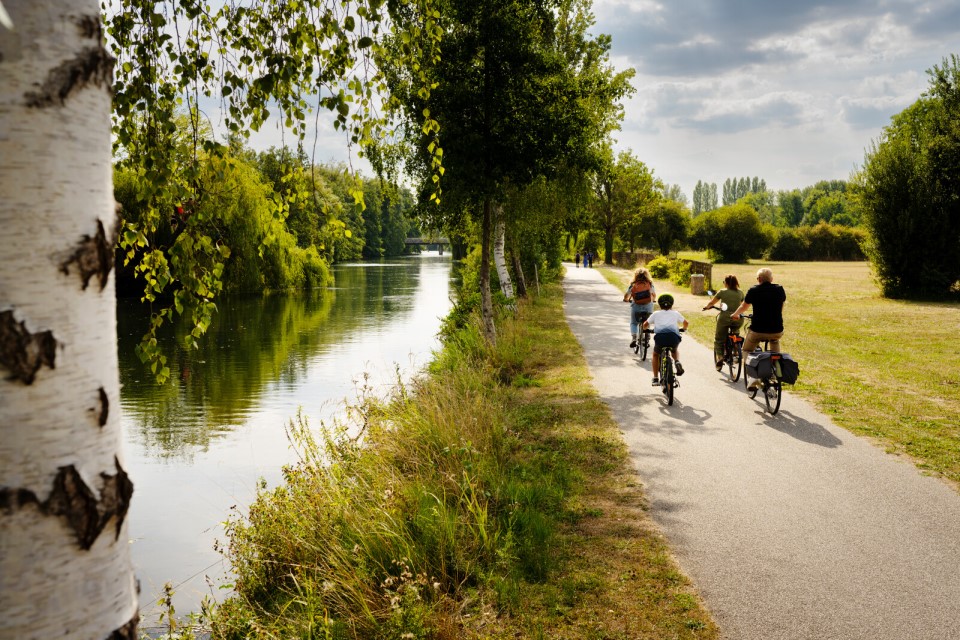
665	301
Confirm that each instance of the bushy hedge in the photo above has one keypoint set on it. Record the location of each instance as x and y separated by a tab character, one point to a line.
820	242
733	233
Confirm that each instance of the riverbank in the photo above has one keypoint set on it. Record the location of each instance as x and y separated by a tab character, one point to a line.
491	498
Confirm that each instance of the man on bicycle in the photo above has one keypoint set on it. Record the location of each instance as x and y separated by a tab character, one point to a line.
767	323
666	325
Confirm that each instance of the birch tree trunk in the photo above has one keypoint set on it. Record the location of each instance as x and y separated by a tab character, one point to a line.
65	569
499	259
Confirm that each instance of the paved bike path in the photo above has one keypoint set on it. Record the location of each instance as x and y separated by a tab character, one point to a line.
789	526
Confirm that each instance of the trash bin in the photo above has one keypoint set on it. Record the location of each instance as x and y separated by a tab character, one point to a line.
698	284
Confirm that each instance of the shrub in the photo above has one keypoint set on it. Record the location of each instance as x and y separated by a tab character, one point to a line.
659	267
680	272
821	242
730	234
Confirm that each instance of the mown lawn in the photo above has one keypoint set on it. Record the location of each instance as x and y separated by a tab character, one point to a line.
882	368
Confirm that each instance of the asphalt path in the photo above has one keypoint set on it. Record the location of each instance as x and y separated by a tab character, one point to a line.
789	526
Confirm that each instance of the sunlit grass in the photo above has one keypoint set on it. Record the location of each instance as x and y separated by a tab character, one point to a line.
883	368
492	498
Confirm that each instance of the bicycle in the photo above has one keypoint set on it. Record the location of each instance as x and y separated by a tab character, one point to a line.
771	381
732	348
642	338
668	376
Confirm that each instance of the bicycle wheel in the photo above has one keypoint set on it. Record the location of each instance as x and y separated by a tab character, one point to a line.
644	345
667	380
735	363
772	394
636	344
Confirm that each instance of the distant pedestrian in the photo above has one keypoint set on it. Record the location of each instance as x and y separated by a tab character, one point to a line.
576	259
585	254
590	257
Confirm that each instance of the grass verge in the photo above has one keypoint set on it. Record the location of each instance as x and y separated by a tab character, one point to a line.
492	498
886	369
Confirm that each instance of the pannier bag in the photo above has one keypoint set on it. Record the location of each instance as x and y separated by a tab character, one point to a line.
759	365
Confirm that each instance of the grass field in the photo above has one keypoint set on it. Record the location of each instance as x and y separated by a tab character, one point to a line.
881	368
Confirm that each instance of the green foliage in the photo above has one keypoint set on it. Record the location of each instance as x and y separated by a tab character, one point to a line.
730	234
659	267
821	242
626	195
664	226
909	193
680	272
257	60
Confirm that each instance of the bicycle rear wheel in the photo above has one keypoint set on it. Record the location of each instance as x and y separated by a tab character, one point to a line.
636	343
735	363
667	380
644	345
772	394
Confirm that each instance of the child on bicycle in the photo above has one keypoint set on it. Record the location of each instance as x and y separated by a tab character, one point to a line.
666	325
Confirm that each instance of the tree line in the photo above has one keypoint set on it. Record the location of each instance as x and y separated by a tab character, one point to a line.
282	219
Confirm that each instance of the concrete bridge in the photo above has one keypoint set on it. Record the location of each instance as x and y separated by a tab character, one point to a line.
429	241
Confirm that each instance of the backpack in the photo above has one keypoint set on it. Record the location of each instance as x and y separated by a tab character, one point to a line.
641	292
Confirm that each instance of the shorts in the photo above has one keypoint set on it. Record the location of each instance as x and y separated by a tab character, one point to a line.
665	340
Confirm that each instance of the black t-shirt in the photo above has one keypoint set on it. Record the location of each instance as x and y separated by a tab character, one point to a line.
767	300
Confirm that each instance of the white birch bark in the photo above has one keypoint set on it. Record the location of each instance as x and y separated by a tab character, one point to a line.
499	259
55	185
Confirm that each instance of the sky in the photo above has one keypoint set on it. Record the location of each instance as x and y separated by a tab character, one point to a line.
790	91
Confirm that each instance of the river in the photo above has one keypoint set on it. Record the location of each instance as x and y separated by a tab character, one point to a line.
198	446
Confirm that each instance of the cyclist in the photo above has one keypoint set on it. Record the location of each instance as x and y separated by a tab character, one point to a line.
640	294
767	323
666	325
731	297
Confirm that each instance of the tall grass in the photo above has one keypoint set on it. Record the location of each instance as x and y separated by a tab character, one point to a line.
490	498
391	522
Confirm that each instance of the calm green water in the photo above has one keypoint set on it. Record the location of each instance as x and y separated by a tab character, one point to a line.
196	447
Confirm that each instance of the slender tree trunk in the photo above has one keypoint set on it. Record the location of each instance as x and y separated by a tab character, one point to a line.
499	259
65	569
486	298
518	269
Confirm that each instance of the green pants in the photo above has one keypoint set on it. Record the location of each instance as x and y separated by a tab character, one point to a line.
721	334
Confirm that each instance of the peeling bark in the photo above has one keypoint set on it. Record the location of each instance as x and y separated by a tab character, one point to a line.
93	257
74	500
23	353
127	631
93	66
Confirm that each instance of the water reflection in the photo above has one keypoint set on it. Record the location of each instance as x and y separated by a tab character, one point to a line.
198	445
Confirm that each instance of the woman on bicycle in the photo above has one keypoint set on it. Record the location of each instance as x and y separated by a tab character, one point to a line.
640	294
731	297
666	325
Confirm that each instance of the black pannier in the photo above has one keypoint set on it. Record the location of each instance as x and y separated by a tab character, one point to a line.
759	365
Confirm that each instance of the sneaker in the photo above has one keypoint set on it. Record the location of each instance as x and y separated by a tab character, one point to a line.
719	365
633	344
756	384
679	369
656	381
